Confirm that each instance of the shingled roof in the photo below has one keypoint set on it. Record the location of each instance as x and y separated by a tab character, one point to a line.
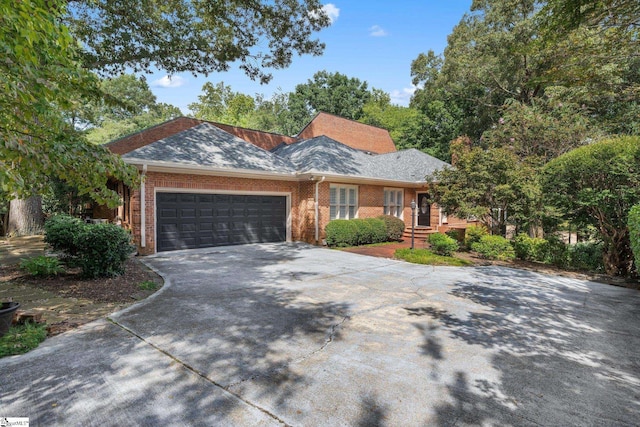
324	155
208	146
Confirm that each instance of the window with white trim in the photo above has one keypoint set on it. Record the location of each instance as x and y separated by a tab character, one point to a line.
393	202
343	201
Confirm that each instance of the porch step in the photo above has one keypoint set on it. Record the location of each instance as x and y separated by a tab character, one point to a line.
418	232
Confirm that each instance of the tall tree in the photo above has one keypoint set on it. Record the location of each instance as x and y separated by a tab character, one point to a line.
332	93
219	103
128	106
39	76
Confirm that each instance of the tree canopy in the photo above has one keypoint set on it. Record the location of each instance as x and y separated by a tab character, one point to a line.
39	77
196	36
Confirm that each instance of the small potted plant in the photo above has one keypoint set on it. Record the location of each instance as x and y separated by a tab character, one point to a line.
7	310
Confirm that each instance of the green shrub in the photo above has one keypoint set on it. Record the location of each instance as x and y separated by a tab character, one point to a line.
557	252
341	233
60	232
457	234
633	223
473	234
530	248
103	250
443	244
394	226
42	266
494	247
586	256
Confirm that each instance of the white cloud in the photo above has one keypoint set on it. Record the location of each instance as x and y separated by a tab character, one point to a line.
377	31
402	97
169	82
332	11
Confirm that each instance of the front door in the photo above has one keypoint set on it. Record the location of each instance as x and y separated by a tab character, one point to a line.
424	210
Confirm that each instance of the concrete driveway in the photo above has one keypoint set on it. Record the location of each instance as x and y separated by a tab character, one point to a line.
289	334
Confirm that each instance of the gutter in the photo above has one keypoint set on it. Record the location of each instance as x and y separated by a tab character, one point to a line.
143	210
317	209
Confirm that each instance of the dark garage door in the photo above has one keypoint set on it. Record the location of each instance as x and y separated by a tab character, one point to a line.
188	220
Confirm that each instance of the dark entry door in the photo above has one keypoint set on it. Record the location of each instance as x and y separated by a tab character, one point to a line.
424	210
188	221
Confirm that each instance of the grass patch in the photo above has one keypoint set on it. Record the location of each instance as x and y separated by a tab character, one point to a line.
148	285
424	256
22	338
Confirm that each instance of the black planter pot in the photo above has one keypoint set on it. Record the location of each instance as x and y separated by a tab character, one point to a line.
6	316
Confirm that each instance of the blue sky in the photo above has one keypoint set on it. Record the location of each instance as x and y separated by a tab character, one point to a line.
374	41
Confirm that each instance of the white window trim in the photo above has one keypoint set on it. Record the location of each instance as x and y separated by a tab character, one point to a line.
401	205
347	188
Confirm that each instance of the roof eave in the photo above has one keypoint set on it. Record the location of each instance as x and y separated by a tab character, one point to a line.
183	168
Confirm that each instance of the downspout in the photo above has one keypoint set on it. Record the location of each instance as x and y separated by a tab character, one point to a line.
143	209
317	209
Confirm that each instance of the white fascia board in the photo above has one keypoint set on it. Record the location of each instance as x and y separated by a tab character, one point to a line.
351	179
182	168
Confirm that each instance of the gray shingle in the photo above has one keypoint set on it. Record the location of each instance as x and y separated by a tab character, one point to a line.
325	155
209	146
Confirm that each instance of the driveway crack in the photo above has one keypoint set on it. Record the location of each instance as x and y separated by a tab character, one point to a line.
200	374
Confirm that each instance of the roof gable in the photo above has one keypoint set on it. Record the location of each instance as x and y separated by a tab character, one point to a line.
349	132
264	140
207	145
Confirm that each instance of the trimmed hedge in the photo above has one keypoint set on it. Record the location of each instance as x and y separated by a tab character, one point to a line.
494	247
395	227
354	232
634	234
586	256
442	244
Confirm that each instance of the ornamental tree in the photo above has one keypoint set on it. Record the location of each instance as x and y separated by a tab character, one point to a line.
597	185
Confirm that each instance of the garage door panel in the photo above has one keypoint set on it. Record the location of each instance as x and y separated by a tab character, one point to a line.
187	221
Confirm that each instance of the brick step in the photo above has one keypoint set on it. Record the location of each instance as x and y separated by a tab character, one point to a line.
418	232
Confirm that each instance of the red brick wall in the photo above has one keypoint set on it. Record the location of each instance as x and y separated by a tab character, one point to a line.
203	182
152	134
354	134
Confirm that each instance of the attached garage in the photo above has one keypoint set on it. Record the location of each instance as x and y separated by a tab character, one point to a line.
195	220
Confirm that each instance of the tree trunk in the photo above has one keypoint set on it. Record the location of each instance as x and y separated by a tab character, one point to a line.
25	217
617	255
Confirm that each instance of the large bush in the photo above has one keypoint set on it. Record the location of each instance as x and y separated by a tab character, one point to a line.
395	227
494	247
586	256
473	234
634	234
530	248
341	233
100	250
443	244
60	232
103	250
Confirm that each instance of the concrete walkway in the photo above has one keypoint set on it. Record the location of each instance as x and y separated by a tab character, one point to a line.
303	336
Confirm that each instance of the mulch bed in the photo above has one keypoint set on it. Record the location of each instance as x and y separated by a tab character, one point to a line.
119	289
